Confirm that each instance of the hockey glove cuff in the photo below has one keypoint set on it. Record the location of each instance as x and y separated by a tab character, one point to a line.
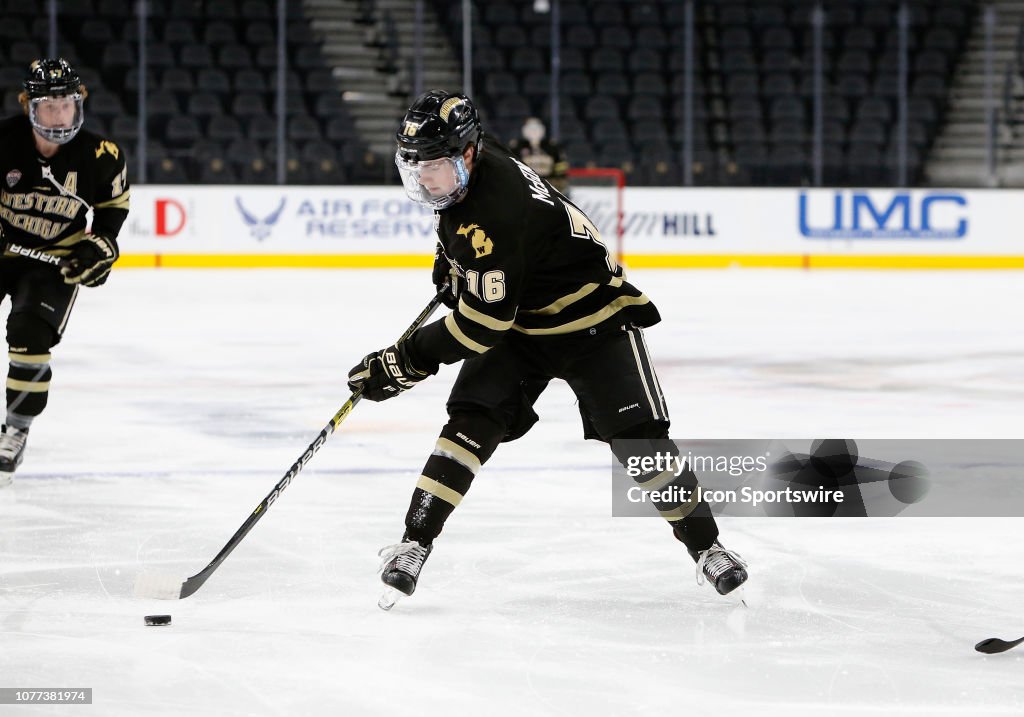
385	374
89	260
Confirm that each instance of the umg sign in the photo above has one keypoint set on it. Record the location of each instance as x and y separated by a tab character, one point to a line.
883	214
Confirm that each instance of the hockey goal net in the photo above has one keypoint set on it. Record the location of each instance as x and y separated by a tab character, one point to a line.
599	192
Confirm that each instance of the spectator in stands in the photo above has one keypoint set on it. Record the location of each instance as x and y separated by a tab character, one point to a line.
545	156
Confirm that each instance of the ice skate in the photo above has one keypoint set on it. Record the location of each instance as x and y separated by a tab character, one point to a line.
725	569
400	569
12	448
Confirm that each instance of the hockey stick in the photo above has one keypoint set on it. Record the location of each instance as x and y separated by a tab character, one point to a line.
169	587
993	645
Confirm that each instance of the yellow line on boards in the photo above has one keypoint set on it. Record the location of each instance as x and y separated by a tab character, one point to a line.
818	261
632	261
275	261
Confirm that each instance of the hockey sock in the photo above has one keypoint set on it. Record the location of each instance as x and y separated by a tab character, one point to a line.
28	385
465	444
690	519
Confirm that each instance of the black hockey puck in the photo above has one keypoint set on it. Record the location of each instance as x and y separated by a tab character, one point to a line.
158	619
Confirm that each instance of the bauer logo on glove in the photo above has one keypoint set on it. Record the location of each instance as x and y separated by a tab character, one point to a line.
89	260
386	373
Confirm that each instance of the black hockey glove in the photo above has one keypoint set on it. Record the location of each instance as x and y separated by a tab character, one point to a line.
385	374
89	260
444	274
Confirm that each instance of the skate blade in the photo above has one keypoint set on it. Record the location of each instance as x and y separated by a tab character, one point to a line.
747	595
6	478
389	599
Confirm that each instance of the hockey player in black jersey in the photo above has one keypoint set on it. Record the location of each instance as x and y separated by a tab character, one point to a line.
535	296
51	174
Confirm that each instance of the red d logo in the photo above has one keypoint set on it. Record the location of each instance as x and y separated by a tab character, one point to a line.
170	217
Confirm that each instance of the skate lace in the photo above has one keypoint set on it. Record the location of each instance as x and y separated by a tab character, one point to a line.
716	560
12	442
409	557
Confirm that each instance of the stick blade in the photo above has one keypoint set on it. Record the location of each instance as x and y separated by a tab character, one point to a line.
994	645
158	586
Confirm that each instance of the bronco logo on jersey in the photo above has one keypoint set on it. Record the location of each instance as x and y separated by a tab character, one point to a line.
106	146
482	244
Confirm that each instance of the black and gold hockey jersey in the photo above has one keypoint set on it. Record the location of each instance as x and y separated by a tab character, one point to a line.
38	214
532	261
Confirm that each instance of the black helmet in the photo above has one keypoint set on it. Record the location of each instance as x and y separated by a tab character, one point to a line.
50	78
438	124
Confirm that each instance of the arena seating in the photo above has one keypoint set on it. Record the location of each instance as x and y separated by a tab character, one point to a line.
211	85
753	84
212	80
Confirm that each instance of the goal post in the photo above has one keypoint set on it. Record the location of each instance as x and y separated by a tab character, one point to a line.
600	193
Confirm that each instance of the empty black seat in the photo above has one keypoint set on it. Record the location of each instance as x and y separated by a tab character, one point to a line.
511	37
650	83
105	104
249	81
180	32
527	59
234	57
645	59
501	83
777	38
219	32
181	131
166	170
581	36
653	38
124	130
221	9
217	170
196	56
211	79
599	107
339	129
204	104
116	55
606	59
256	10
644	13
97	32
644	107
616	36
613	84
224	128
260	33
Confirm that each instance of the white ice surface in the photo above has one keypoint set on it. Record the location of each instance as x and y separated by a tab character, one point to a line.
180	398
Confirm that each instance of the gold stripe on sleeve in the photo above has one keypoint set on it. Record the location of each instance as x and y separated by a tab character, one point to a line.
456	332
587	321
559	304
119	202
483	319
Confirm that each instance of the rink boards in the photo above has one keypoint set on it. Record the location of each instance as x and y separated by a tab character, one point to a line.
663	227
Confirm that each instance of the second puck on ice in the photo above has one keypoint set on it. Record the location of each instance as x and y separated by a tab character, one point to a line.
158	619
